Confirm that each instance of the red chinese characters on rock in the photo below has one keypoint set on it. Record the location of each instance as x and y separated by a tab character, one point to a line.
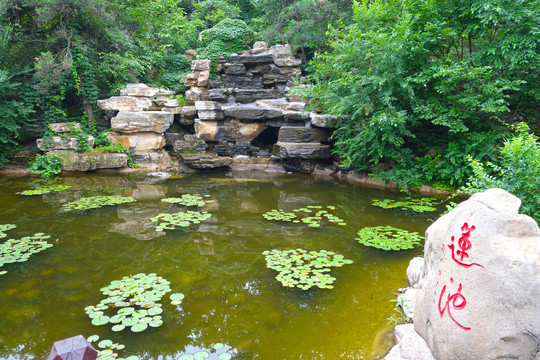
457	301
459	253
464	245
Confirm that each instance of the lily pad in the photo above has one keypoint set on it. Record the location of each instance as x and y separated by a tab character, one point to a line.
388	238
417	205
189	200
95	202
181	219
41	190
315	215
139	327
302	269
20	250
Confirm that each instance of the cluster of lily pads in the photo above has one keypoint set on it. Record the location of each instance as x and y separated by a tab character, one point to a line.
94	202
417	205
134	300
6	227
218	351
189	200
304	269
20	250
316	213
41	190
388	238
182	219
108	349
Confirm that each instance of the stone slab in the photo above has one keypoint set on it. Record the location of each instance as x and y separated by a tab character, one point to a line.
410	345
302	150
143	90
206	161
252	113
245	96
133	122
93	161
251	59
138	141
65	127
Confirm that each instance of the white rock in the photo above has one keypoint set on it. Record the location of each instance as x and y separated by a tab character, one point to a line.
132	122
479	289
414	270
143	90
125	103
406	301
410	345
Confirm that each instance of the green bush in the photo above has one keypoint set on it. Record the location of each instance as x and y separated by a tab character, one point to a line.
517	171
48	165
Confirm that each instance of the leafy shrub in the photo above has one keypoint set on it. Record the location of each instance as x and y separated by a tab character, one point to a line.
517	171
225	38
47	165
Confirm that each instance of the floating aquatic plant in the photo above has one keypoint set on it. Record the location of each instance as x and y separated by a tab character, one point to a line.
304	269
182	219
388	238
94	202
13	251
40	190
108	349
417	205
134	302
6	227
189	200
316	215
219	351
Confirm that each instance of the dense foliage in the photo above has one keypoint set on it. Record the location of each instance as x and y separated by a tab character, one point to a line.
424	83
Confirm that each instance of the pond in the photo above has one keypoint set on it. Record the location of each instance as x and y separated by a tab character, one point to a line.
231	297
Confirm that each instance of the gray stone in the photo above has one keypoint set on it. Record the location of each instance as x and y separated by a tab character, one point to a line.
151	158
297	98
410	345
259	47
251	113
288	62
247	81
280	51
64	127
235	69
290	71
159	175
196	94
143	90
290	118
168	103
207	105
245	96
206	161
181	146
295	106
173	110
301	166
478	291
302	150
414	270
133	122
200	65
295	134
62	143
221	95
170	138
189	112
138	141
251	59
93	161
323	121
272	103
230	131
210	114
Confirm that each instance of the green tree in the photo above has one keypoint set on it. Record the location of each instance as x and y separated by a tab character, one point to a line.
417	78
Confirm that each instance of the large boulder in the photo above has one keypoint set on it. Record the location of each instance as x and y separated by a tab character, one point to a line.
62	143
206	161
252	113
301	134
93	161
138	141
480	284
229	131
135	122
410	346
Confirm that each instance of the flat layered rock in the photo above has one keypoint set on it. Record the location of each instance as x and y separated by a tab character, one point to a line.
251	59
302	150
138	141
206	161
252	113
133	122
245	96
59	143
65	127
323	121
93	161
143	90
301	134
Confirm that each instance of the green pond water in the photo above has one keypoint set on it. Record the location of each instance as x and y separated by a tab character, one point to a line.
230	295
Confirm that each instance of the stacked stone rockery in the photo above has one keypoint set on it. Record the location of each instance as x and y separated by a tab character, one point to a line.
144	114
246	111
66	143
